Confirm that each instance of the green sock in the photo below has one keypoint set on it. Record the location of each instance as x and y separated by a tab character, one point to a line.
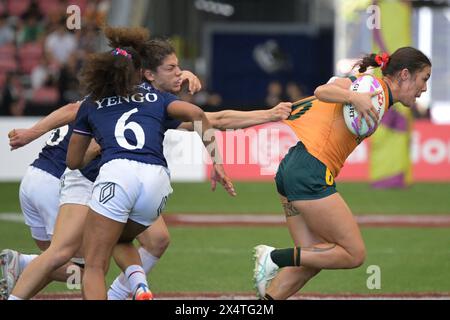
289	257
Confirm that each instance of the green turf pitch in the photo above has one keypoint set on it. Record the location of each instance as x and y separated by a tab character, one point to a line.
421	198
218	259
262	198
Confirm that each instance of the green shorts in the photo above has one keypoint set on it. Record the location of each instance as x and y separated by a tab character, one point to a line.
301	176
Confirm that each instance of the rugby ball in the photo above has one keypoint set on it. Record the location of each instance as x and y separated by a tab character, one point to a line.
365	83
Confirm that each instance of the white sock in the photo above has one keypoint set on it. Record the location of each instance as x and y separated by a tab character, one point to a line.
120	288
148	260
11	297
25	259
135	275
117	291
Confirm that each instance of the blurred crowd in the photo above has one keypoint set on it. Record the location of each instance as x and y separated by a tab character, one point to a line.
40	56
276	93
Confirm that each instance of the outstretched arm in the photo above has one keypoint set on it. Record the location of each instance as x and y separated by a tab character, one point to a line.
233	119
189	112
60	117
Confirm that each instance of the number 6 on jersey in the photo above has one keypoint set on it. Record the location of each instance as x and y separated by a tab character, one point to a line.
121	127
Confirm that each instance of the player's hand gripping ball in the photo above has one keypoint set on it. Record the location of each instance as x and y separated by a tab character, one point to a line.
365	83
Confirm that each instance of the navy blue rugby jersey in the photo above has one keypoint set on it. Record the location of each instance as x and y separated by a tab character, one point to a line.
129	127
52	158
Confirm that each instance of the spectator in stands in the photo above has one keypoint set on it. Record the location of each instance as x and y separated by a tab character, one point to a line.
6	31
12	101
214	100
60	44
33	10
68	84
43	23
43	74
32	28
206	99
274	93
89	40
17	108
96	11
294	92
53	20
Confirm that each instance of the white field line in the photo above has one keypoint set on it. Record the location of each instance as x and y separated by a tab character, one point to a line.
364	220
249	296
254	219
12	217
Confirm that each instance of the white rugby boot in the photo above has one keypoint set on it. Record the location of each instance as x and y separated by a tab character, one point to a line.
10	269
265	269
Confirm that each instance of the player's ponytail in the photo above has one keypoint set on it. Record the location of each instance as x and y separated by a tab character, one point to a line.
403	58
127	37
366	62
113	73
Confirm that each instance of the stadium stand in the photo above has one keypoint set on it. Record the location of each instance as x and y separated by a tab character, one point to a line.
44	80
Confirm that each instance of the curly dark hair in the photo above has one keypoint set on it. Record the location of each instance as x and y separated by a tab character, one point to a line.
107	74
152	51
127	37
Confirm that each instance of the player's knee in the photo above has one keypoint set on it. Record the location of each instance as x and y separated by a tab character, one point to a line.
60	257
164	243
158	245
99	263
358	257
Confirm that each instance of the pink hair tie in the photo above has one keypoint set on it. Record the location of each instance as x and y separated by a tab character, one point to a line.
121	52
